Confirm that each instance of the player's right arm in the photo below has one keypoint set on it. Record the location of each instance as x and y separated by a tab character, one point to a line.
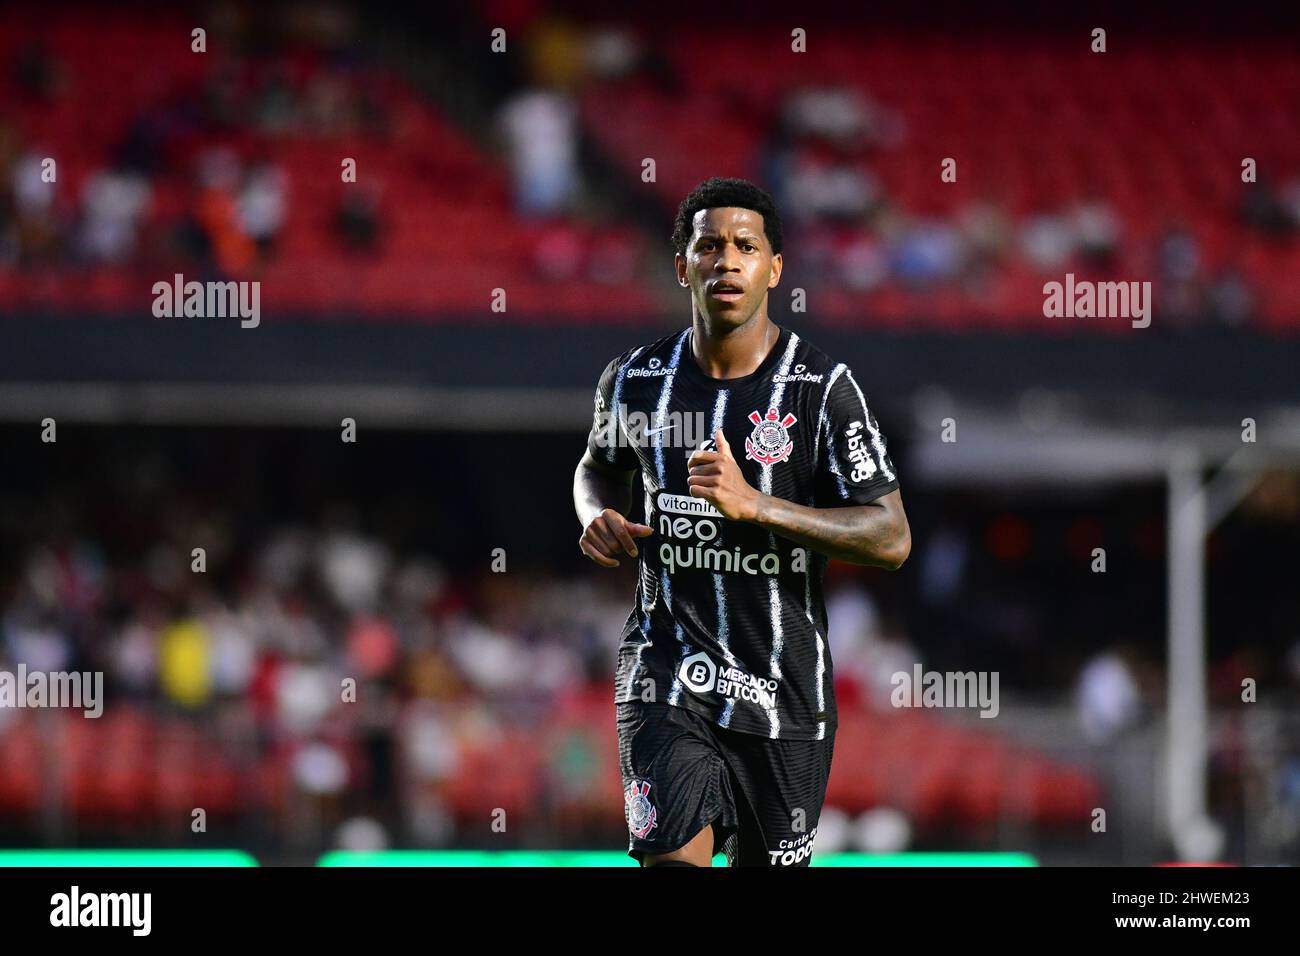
602	483
601	496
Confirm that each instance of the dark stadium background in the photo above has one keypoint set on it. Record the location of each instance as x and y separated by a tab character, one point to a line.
481	689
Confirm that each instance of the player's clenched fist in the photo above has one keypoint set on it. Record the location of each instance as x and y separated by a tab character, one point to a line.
716	477
610	534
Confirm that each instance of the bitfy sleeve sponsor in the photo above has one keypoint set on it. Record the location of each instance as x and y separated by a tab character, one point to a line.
853	464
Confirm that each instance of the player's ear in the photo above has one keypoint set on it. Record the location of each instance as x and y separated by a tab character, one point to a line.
776	272
679	263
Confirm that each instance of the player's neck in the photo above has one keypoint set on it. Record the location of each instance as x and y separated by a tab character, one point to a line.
733	352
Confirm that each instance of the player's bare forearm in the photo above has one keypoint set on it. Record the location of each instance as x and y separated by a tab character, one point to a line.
876	534
597	487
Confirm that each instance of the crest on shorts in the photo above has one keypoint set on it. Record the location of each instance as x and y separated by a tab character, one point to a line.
769	442
642	816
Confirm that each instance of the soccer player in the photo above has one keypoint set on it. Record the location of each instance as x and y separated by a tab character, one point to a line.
759	459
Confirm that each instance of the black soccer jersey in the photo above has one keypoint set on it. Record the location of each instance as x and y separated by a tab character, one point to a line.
729	619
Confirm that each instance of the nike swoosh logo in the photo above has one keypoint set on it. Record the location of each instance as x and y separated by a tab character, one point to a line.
661	428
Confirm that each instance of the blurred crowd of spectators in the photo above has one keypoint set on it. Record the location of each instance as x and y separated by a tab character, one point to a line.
852	234
820	156
323	640
194	179
377	673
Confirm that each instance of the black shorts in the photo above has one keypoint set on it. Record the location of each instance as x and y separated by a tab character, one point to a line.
682	773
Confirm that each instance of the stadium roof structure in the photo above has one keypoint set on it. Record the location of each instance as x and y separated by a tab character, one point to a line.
1028	447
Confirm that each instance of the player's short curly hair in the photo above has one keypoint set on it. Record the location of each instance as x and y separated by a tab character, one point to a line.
719	192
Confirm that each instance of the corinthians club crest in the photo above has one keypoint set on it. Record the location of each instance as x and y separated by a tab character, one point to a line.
769	442
642	817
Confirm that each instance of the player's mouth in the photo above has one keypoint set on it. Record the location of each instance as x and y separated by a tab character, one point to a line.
725	291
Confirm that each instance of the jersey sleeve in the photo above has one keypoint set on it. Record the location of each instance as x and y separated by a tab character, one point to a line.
853	466
607	441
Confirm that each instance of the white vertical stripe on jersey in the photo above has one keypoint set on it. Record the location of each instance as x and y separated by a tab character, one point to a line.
765	486
876	443
778	389
661	409
618	398
821	681
821	414
665	588
844	493
719	588
808	564
645	616
778	641
831	461
821	648
720	591
659	462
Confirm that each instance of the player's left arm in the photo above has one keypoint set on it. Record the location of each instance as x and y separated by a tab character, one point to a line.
875	533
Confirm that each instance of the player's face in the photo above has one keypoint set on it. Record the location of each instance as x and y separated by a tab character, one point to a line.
728	264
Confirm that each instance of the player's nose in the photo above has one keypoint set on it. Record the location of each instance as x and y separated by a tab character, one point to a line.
728	259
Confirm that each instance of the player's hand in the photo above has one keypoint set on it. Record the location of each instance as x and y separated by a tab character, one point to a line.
610	534
716	477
